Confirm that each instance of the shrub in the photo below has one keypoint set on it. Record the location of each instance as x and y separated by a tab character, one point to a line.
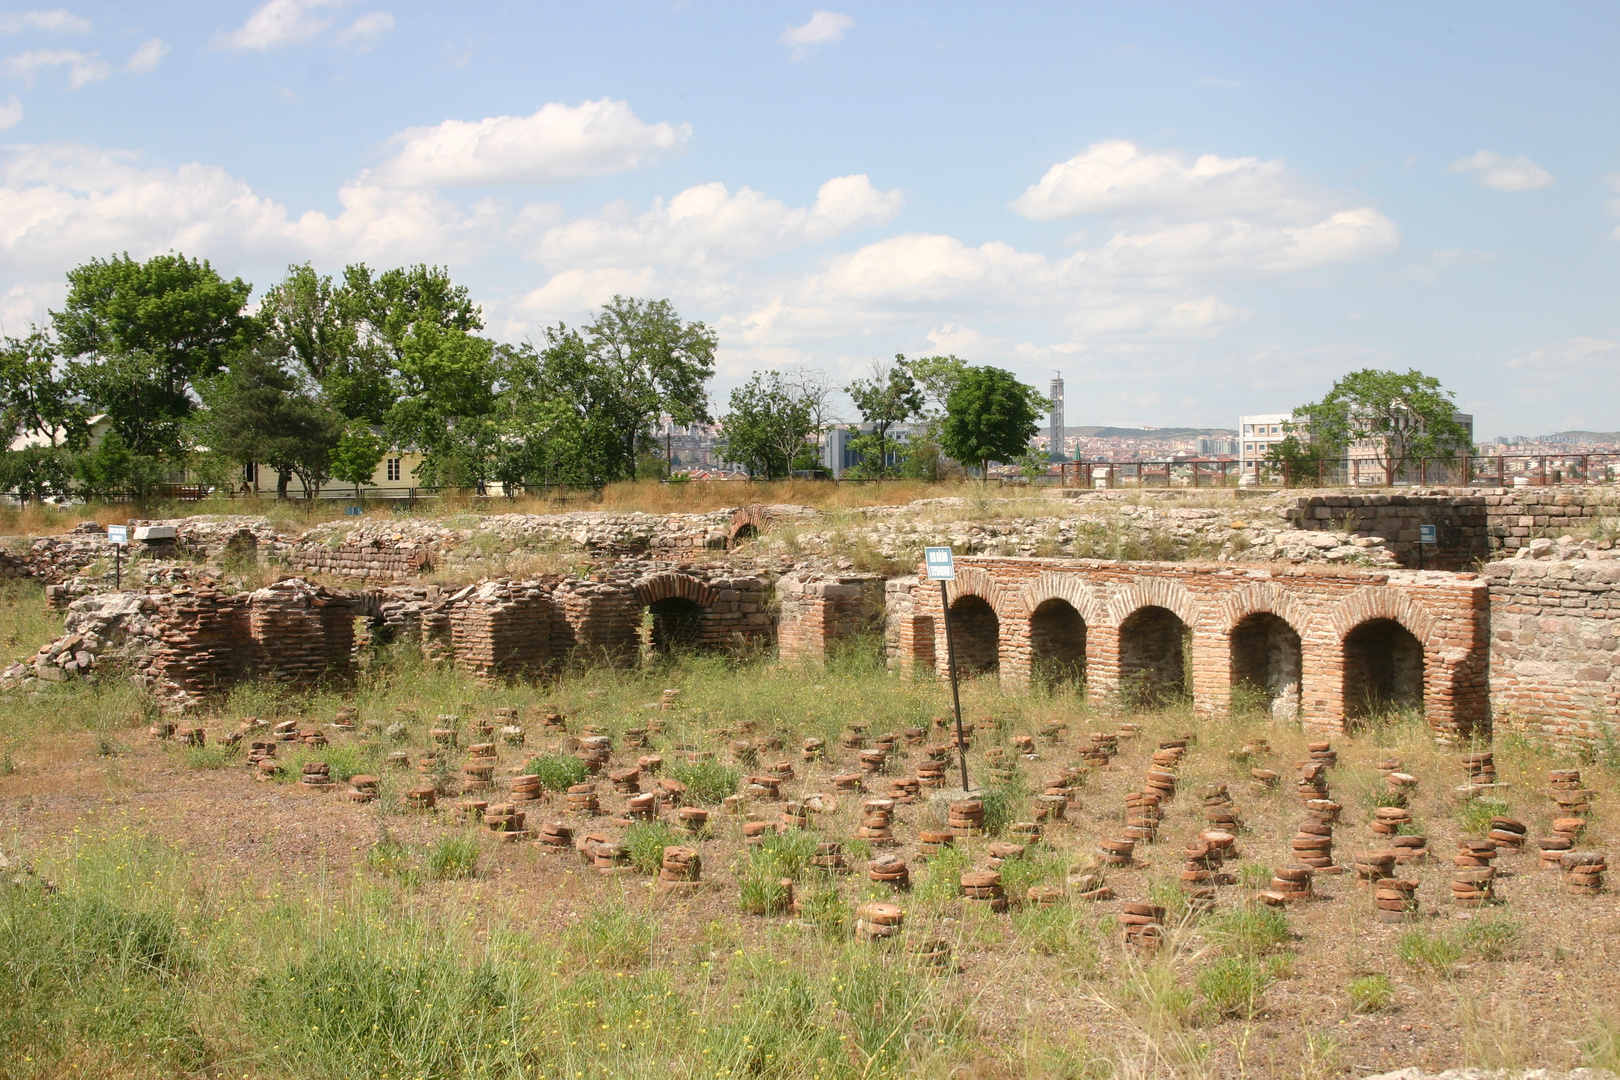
783	854
825	909
1475	815
557	772
1488	939
707	782
1371	993
646	841
452	858
759	892
1232	986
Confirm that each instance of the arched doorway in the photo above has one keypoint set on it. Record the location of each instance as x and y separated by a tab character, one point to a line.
977	634
1383	669
1266	661
1153	658
1057	644
675	625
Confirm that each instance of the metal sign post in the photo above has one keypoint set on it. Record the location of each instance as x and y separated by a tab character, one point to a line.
1427	534
942	568
118	537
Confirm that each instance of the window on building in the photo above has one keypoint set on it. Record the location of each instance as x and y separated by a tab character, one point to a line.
250	472
393	468
1248	429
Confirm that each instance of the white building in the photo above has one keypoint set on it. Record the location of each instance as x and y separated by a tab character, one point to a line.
1257	434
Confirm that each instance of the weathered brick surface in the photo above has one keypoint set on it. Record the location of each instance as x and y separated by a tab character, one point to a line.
816	613
1555	647
502	630
1124	609
371	561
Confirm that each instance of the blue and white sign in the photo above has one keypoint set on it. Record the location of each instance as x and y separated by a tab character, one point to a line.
118	535
1426	535
941	565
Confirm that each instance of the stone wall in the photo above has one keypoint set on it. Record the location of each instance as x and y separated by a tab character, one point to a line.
502	630
370	561
1555	646
1351	630
817	612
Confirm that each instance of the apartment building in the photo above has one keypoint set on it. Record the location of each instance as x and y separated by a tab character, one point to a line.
1257	434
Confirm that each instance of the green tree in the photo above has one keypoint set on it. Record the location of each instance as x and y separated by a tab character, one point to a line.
444	387
1402	416
260	411
37	402
891	396
144	333
768	427
990	416
356	456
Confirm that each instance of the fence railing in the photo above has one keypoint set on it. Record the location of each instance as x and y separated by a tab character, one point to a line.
1498	470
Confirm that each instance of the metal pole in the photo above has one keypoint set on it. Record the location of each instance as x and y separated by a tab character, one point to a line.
118	566
956	698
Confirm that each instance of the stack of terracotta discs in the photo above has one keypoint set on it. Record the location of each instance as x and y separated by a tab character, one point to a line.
1553	849
196	736
813	749
363	788
1322	753
1508	833
554	721
513	735
1389	765
1257	748
938	752
595	751
1129	731
317	774
1395	900
1117	852
642	807
1569	827
260	750
633	738
782	770
876	828
445	733
681	869
1001	766
1201	873
1399	785
1160	782
1409	849
734	804
1088	885
1293	882
1374	865
930	774
755	832
1564	779
585	843
556	836
421	798
1045	896
886	742
853	739
1313	845
1142	924
932	953
284	731
505	818
312	737
1052	806
795	815
1474	875
914	736
905	789
625	781
982	889
427	764
1001	851
1141	816
889	870
876	921
671	792
611	859
873	761
1219	809
962	740
934	841
847	782
482	750
693	819
1170	753
743	753
1223	841
399	759
582	800
1583	872
1389	820
650	764
472	810
966	817
1263	780
1313	781
1025	832
525	788
1324	810
764	788
1023	745
829	856
1480	767
477	775
1572	802
345	718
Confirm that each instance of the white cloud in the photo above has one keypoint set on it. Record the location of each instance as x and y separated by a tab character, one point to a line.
83	68
56	20
280	22
824	28
11	112
365	30
1573	357
708	229
558	142
146	57
1503	174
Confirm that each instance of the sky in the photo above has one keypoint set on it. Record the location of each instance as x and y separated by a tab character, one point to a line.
1191	211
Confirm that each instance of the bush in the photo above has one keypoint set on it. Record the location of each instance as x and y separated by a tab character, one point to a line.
825	909
646	841
707	782
557	772
1232	987
1475	815
1371	993
759	892
1488	939
452	858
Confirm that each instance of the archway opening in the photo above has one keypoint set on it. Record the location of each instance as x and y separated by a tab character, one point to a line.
673	625
1266	661
1057	642
977	634
742	534
1383	670
1153	650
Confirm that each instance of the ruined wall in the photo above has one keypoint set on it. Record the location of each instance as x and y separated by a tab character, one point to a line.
818	612
1555	646
597	620
370	561
300	633
502	630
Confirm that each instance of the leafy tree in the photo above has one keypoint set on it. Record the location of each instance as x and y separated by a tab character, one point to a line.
891	396
990	416
37	401
444	381
356	456
143	333
768	427
1402	416
938	376
259	411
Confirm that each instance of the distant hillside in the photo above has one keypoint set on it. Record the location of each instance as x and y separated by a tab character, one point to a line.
1150	433
1591	436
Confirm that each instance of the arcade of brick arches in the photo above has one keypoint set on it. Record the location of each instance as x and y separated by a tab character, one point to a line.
1323	646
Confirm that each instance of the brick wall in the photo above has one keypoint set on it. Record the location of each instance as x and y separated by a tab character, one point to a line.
818	612
502	630
368	562
1555	647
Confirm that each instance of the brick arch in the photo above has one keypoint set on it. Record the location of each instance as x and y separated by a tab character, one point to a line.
1381	602
973	581
1154	592
1262	596
1071	588
669	585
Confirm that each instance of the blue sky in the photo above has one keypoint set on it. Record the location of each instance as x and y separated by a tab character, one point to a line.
1192	211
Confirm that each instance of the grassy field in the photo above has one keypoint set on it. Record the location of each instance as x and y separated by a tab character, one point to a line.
199	923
